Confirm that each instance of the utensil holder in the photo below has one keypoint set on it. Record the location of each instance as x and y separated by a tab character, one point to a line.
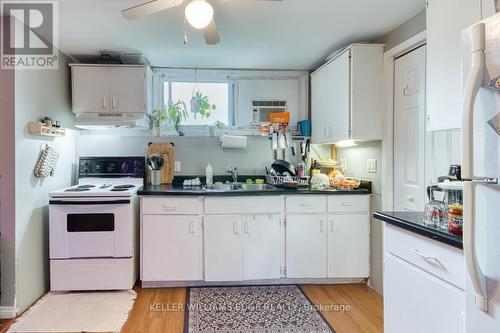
155	177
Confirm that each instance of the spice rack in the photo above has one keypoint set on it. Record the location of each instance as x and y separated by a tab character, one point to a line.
37	128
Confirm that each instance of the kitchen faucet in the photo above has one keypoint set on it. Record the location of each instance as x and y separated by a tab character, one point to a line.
233	171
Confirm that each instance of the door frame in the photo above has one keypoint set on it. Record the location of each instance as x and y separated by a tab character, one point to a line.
388	117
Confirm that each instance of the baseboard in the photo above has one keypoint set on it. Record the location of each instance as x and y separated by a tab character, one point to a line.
7	312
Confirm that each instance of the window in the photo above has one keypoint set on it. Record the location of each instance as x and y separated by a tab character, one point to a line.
219	94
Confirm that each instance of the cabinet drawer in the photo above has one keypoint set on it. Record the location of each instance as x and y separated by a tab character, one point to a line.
171	205
244	205
306	204
433	257
348	203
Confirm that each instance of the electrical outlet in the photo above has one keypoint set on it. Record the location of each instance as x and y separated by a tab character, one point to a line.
343	164
177	166
371	166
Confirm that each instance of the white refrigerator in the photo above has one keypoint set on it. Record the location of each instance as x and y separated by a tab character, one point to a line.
481	169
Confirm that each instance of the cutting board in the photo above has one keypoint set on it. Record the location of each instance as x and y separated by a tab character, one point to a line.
167	150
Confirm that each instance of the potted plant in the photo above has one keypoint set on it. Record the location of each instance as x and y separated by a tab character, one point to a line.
157	119
200	104
177	113
217	125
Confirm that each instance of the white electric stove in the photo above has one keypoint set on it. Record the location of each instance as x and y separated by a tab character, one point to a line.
93	226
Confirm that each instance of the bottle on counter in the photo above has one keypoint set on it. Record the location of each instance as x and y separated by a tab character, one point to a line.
209	174
315	169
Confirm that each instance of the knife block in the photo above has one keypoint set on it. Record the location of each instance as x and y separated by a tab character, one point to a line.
167	151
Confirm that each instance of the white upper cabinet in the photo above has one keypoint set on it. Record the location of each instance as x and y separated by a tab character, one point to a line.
445	21
115	89
346	96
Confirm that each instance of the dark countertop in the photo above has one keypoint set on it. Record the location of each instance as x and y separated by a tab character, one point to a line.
412	221
198	191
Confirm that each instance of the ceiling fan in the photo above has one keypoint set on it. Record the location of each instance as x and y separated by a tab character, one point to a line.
199	14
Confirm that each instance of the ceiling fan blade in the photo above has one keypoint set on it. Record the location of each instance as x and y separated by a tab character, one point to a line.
149	8
211	34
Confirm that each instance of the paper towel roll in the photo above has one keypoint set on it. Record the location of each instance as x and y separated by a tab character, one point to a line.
233	142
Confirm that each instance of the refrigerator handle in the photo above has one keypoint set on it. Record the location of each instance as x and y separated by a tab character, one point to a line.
476	276
474	81
472	86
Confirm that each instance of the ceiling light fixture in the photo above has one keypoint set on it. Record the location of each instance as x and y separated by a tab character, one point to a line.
199	13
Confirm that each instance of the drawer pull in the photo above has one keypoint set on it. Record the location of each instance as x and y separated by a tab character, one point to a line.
305	204
169	207
347	204
425	256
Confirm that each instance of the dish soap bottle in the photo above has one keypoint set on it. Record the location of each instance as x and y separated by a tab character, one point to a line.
209	174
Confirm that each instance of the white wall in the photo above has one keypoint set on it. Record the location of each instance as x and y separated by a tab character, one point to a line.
38	93
7	190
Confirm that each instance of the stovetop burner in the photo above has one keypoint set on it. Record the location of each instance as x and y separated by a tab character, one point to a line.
125	186
86	186
77	189
119	189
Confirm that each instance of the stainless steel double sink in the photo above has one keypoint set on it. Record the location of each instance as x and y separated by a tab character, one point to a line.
238	187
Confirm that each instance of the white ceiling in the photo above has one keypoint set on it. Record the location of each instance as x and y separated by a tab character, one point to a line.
293	34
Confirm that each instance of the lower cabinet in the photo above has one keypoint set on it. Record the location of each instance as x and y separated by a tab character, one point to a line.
416	301
349	246
172	248
242	247
306	246
327	246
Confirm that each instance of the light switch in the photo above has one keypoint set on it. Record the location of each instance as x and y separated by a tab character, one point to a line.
177	166
371	166
343	164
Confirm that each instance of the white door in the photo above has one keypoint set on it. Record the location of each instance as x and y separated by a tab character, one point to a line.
172	248
261	247
128	89
306	246
90	89
338	98
223	248
416	302
409	131
349	246
445	21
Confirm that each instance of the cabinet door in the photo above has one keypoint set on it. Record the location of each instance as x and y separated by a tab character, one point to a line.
416	302
349	246
319	87
338	98
90	89
444	59
261	247
171	248
223	248
306	246
128	89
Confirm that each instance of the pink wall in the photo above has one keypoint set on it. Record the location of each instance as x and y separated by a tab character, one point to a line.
7	186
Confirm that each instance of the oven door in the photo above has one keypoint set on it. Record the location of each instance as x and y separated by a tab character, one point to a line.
90	228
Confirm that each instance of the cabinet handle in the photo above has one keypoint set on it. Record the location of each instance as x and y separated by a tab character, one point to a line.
246	227
347	204
113	103
324	132
332	226
306	204
329	131
424	256
235	228
322	226
104	104
191	228
169	207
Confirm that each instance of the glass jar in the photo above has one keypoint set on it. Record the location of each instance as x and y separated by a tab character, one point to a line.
435	211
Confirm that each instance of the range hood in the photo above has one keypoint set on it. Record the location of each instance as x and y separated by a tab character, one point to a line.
111	120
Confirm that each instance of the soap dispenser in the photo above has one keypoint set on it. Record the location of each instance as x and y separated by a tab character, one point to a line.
209	174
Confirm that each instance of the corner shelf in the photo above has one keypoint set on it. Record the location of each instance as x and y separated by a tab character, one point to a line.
37	128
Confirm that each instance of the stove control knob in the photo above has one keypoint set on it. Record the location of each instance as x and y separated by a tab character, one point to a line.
85	170
124	167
